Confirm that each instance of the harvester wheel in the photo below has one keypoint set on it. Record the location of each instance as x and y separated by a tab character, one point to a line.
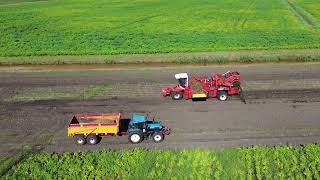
176	95
157	137
80	140
92	139
135	137
222	95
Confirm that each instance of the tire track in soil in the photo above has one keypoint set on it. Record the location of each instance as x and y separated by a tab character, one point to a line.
301	14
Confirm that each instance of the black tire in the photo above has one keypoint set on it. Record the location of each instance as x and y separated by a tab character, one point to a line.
222	95
80	140
176	95
92	139
135	137
157	137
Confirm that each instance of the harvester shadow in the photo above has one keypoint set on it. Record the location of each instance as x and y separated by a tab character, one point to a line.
199	99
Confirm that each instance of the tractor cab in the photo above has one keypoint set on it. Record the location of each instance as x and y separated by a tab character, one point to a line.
141	122
183	80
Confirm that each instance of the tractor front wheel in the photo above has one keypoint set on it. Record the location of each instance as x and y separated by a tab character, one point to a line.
92	139
157	137
177	95
135	137
80	140
222	95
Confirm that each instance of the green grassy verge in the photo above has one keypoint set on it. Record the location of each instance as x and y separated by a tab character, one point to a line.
282	162
47	94
100	27
6	163
304	55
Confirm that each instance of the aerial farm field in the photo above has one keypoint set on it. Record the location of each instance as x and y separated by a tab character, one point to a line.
60	58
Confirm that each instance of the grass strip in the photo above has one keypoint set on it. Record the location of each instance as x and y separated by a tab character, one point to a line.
302	55
49	94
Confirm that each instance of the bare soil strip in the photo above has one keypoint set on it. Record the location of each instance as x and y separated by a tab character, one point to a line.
283	102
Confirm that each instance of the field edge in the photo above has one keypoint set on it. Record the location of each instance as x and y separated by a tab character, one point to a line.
224	57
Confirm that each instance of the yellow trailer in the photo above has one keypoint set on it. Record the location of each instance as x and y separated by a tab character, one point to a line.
88	128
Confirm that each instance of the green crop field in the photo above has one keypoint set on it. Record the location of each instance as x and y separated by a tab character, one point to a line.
85	27
283	162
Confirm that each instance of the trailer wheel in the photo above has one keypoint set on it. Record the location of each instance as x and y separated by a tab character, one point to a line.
135	137
92	139
176	95
157	137
80	140
222	95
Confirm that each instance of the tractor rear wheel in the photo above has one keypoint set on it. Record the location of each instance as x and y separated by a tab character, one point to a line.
80	140
135	137
92	139
157	136
177	95
222	95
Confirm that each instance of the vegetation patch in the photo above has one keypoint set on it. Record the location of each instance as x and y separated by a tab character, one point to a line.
14	2
6	163
302	55
258	162
47	93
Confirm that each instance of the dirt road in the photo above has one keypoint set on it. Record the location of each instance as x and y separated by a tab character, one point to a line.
283	102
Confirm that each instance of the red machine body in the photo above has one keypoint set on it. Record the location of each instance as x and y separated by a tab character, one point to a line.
218	85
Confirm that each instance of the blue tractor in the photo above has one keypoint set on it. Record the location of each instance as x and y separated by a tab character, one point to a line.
140	128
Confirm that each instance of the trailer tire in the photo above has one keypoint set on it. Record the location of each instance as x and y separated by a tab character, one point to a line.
157	136
92	139
80	140
135	137
222	95
176	95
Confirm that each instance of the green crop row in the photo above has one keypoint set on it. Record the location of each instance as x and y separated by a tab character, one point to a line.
86	27
259	162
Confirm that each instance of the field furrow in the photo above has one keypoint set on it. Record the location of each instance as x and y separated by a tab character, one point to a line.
311	7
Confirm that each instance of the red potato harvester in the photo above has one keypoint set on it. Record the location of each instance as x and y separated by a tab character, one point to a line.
219	85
